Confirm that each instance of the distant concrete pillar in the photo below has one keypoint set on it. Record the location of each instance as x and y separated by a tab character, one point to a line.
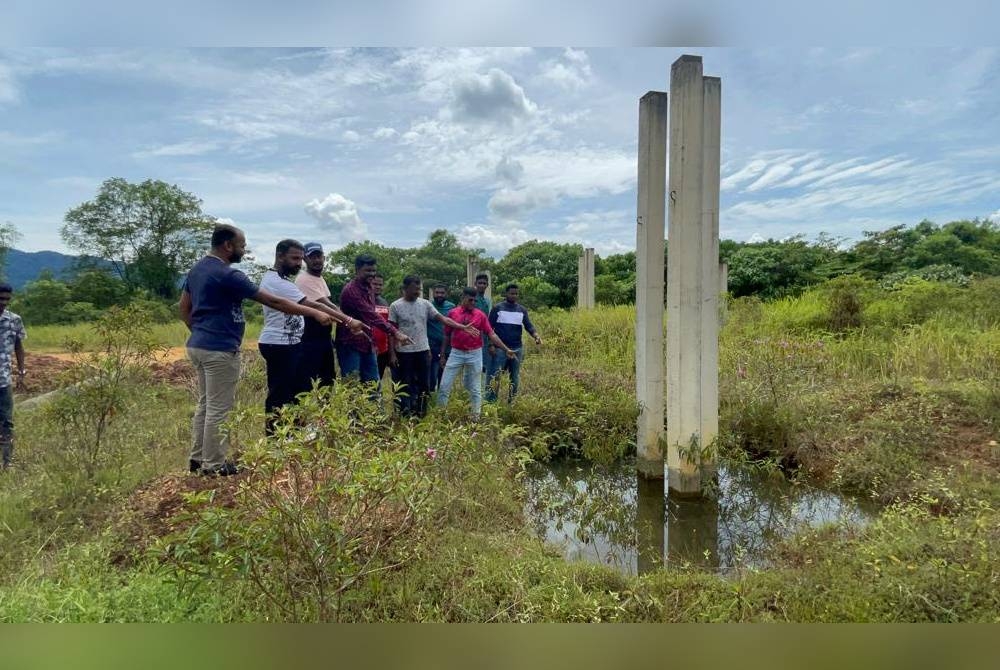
585	280
489	284
471	270
653	110
693	274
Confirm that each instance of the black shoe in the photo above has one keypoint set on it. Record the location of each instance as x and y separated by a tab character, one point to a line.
224	470
194	466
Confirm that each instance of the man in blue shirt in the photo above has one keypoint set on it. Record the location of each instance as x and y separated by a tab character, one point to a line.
212	308
508	319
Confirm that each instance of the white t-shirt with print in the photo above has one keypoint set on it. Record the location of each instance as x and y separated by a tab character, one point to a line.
281	328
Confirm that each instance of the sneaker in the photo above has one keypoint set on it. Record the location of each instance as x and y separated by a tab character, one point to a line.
224	470
194	466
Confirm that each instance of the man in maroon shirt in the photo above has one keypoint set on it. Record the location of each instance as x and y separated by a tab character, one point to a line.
356	352
466	351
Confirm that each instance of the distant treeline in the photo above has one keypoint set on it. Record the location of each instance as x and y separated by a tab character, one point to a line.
150	233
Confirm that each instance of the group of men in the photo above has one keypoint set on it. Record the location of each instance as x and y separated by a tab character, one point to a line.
426	344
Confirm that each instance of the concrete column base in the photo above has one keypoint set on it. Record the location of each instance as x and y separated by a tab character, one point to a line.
650	469
685	483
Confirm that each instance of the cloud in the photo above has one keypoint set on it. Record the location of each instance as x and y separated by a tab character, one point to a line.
340	214
190	148
509	170
9	92
995	216
351	136
513	204
493	97
572	73
494	240
384	133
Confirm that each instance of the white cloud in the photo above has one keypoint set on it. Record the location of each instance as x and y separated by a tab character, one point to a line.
384	133
995	216
340	214
572	73
495	240
190	148
9	92
351	136
493	97
513	204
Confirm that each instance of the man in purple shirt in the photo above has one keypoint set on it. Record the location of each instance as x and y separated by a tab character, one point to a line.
356	352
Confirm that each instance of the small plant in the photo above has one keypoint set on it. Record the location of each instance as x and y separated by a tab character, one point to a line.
99	389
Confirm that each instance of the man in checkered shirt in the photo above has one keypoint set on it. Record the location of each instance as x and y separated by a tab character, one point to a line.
11	341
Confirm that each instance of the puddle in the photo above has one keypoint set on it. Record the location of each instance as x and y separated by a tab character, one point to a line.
609	515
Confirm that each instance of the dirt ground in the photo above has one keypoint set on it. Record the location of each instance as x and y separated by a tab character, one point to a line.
45	371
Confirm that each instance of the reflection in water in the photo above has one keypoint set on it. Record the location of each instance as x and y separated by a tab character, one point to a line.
608	514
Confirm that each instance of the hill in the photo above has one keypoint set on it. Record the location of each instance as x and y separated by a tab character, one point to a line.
24	266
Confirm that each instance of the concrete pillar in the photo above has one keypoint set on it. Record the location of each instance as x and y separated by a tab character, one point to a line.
471	270
489	285
585	280
723	293
649	237
693	274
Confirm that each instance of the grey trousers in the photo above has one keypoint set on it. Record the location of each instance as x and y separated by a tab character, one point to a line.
217	373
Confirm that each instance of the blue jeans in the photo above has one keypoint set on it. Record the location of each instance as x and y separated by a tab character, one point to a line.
471	363
7	423
363	363
498	363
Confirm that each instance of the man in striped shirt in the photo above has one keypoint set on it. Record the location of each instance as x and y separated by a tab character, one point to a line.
508	319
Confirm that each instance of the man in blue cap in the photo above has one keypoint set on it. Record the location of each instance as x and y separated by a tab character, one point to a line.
317	339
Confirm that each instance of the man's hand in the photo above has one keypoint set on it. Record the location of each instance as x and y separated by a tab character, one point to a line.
511	353
393	359
19	386
403	338
355	326
538	340
323	318
492	349
472	330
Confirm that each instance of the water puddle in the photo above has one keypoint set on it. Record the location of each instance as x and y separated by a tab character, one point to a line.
609	515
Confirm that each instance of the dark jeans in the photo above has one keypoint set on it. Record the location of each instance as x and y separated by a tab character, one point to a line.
411	371
317	361
361	363
7	423
434	369
498	363
284	378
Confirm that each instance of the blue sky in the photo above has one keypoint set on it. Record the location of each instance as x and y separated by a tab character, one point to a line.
497	145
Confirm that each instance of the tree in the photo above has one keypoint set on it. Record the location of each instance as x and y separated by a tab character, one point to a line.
440	259
550	262
150	232
8	238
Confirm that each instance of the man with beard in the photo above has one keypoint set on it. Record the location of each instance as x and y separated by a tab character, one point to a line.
280	340
317	340
212	308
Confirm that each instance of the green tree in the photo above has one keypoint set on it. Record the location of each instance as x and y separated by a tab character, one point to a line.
150	232
99	288
42	301
536	293
440	259
550	262
8	238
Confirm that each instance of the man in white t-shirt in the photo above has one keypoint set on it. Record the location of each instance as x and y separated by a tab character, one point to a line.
411	362
280	340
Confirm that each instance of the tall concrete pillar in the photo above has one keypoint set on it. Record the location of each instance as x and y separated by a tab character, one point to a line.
693	274
653	110
585	280
472	269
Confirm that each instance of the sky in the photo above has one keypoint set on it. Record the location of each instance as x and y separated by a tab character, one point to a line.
497	145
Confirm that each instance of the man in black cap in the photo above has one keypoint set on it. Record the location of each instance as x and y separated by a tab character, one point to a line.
317	340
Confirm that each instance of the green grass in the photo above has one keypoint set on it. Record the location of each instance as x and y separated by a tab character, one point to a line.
901	409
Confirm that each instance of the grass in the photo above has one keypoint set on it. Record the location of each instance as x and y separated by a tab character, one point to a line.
904	409
54	339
